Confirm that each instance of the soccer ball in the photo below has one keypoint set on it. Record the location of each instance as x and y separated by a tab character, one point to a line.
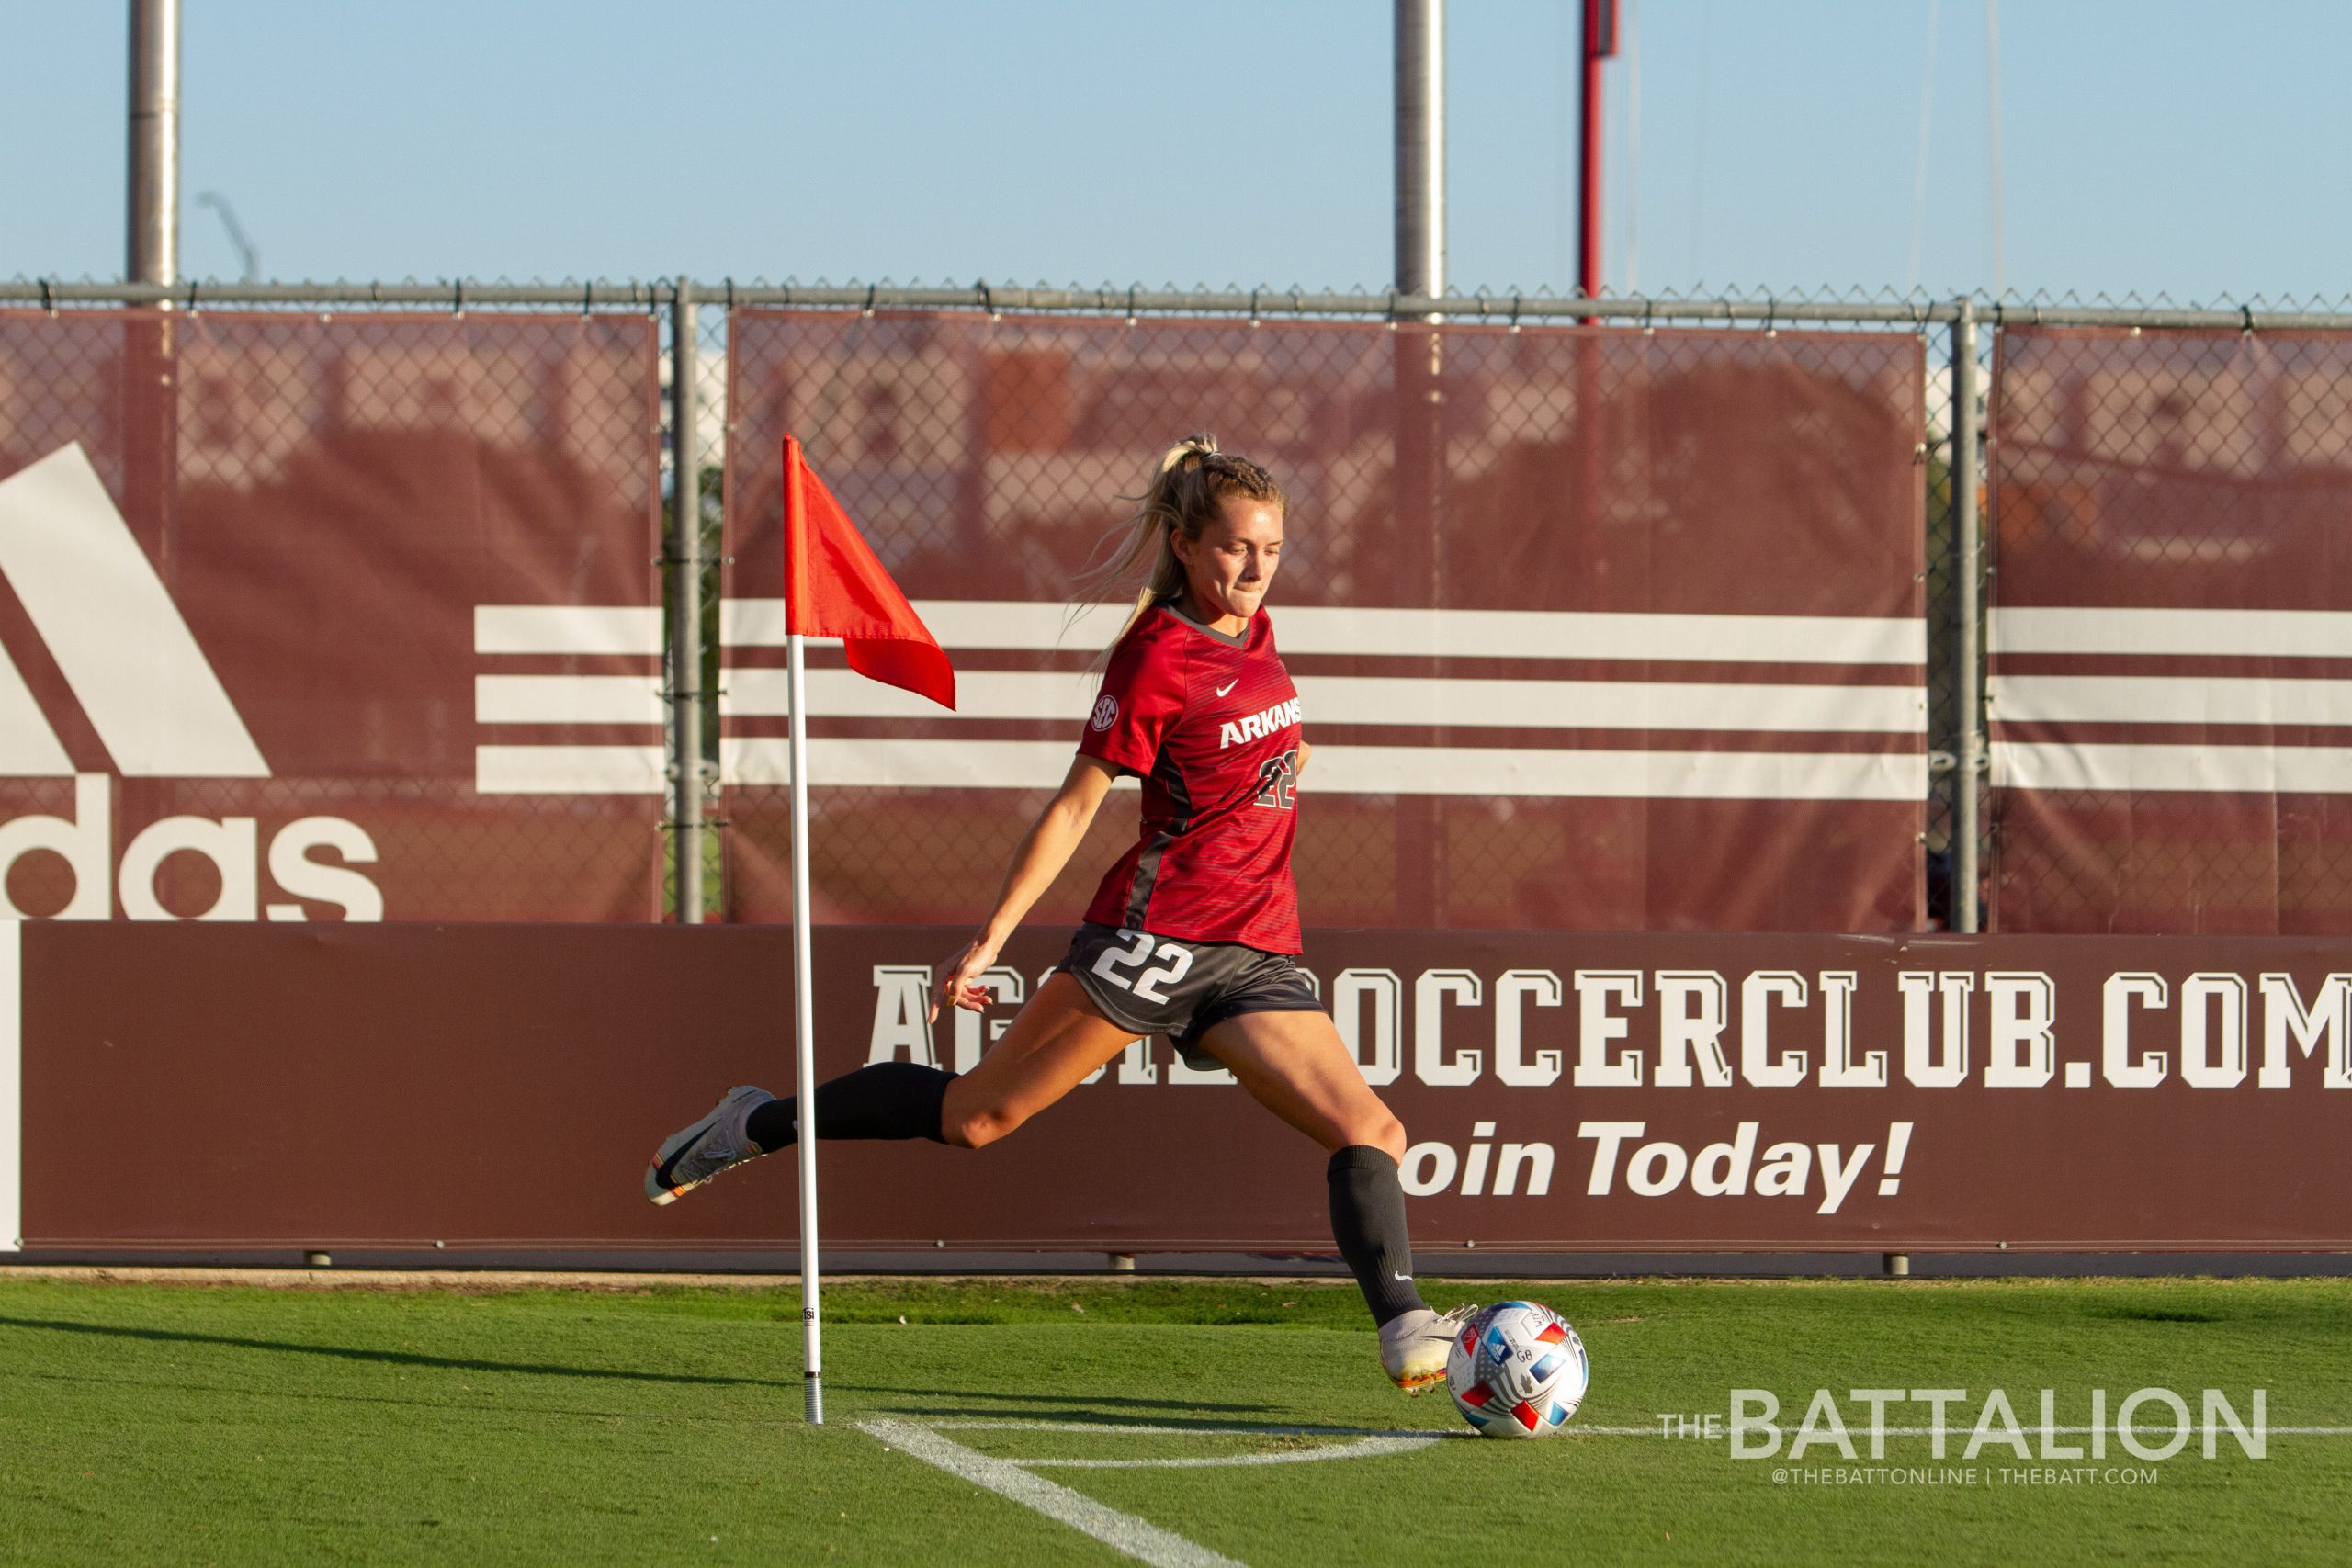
1517	1370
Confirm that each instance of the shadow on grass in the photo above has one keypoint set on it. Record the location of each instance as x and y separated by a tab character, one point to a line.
944	1403
387	1358
944	1414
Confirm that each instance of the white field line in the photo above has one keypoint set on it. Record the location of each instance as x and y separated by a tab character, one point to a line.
1363	1447
988	1424
1146	1428
1147	1542
1125	1533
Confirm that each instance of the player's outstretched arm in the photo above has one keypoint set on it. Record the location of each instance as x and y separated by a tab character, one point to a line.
1044	851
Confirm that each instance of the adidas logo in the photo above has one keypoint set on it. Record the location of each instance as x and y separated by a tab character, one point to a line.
130	662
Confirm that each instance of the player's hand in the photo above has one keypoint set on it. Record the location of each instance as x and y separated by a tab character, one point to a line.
955	987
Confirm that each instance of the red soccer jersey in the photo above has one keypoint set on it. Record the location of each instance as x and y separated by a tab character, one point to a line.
1210	723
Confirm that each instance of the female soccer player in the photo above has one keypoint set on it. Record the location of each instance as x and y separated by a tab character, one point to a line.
1191	933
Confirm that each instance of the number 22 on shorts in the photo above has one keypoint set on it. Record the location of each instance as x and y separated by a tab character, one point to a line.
1179	959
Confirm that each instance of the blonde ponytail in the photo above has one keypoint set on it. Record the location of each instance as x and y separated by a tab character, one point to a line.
1190	484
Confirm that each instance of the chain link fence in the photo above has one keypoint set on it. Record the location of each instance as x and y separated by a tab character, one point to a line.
2138	458
219	704
2168	711
1481	472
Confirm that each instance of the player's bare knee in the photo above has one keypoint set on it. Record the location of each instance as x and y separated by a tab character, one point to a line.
1387	1135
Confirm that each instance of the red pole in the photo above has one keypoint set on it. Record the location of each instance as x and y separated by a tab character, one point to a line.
1599	43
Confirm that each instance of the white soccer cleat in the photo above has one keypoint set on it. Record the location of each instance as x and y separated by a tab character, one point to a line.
1413	1347
688	1158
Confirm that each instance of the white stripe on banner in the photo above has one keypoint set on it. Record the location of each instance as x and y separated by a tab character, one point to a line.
28	747
568	628
568	699
12	1085
1460	634
94	598
1328	699
956	623
845	694
2286	633
1663	775
2255	769
2168	699
1371	769
570	770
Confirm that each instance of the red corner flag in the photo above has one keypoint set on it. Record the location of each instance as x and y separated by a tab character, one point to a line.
834	587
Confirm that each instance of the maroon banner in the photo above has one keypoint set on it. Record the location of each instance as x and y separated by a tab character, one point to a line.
1592	629
403	1086
2171	630
312	619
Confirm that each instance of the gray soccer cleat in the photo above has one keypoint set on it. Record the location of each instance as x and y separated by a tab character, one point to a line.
686	1159
1413	1347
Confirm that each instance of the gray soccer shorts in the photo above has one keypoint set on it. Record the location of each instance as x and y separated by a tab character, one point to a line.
1156	985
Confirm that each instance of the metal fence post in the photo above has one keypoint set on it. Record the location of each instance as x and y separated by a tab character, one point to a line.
685	609
1420	146
152	247
1417	557
1968	716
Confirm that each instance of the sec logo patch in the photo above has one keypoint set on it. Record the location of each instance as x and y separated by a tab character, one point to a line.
1105	712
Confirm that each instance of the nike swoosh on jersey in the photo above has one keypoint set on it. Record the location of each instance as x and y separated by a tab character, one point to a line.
1228	686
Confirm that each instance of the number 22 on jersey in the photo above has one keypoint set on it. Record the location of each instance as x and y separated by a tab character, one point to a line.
1278	781
1177	956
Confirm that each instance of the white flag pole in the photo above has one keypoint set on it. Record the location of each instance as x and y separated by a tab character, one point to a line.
804	1032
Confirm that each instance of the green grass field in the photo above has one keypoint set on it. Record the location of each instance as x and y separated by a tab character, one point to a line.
169	1424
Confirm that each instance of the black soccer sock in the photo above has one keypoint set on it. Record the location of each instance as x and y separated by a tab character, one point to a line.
1368	1222
888	1099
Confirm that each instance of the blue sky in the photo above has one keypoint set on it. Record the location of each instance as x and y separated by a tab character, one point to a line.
2159	146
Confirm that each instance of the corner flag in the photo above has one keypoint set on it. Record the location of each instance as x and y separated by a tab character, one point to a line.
833	586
